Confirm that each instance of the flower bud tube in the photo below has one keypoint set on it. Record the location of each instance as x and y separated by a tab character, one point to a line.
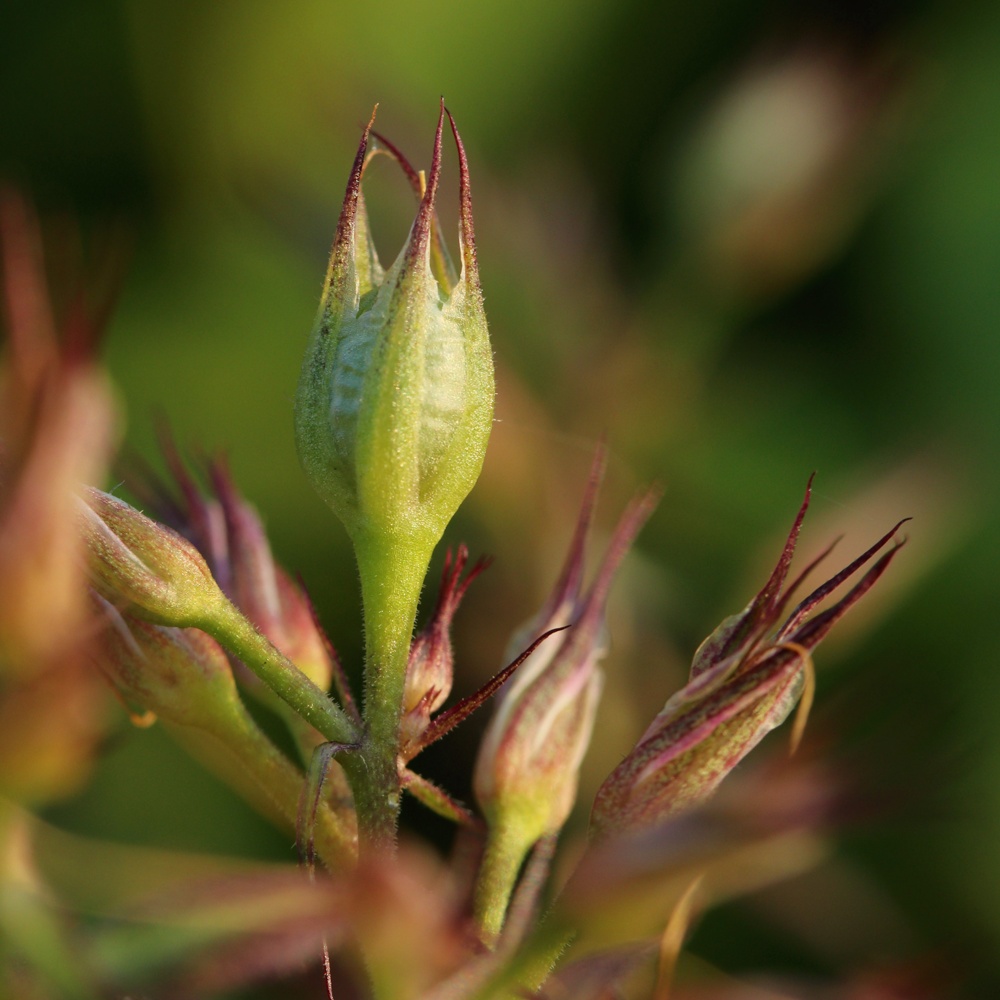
745	679
528	765
392	417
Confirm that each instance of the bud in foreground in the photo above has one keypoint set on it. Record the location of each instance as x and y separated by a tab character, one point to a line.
146	566
395	400
528	765
155	574
392	417
745	680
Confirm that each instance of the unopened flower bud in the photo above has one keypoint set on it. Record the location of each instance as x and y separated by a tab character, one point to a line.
430	670
528	766
154	573
227	530
745	679
181	675
263	591
395	400
144	566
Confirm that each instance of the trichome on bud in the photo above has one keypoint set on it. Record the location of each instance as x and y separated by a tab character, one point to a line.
745	679
395	400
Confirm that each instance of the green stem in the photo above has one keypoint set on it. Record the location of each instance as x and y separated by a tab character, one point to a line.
505	853
240	753
236	633
391	579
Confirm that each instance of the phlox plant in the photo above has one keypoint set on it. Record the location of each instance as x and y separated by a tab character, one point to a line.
183	610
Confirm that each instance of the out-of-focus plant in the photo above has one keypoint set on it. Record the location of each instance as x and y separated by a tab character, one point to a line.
57	423
781	165
186	613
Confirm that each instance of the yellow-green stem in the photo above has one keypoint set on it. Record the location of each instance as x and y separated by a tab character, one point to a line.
391	579
239	636
246	758
502	860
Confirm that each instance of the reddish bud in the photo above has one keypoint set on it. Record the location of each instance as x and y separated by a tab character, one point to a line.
745	679
527	770
430	670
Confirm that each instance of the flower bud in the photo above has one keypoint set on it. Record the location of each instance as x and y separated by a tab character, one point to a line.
263	591
395	400
227	530
430	669
152	570
179	674
745	679
527	770
57	419
155	574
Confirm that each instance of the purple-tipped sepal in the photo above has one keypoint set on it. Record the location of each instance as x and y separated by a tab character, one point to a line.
430	670
395	400
745	679
528	765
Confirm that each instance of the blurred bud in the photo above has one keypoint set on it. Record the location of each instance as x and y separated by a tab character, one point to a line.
430	670
745	679
395	400
181	675
780	169
57	418
145	566
263	591
56	430
527	769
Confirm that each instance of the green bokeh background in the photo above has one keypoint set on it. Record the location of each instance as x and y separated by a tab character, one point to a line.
221	134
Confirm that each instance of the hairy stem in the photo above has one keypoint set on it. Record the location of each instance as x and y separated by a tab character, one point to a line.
391	579
314	705
243	756
505	852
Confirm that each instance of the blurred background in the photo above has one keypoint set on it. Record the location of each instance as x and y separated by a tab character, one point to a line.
746	241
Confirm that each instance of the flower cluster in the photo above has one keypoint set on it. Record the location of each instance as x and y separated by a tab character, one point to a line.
184	610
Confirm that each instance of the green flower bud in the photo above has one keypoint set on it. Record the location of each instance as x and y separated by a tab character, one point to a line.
145	566
155	574
395	400
181	675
